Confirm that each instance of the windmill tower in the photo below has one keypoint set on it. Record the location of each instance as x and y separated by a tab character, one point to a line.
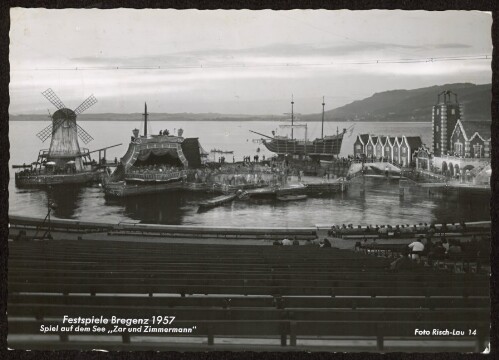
64	132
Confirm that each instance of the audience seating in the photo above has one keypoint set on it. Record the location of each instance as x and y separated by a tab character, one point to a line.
289	294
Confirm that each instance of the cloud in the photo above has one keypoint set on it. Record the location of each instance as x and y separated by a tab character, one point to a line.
271	55
452	46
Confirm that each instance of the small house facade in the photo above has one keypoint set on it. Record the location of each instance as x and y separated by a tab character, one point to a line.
471	139
390	148
359	146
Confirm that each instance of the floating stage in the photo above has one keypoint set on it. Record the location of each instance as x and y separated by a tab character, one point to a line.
37	180
325	188
217	201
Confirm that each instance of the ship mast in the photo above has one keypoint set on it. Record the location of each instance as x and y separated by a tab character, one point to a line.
337	135
322	130
292	116
145	119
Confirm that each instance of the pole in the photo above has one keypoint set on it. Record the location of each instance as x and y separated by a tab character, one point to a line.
292	116
322	130
145	119
336	142
305	140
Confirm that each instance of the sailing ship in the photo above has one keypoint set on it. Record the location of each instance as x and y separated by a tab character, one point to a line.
323	148
65	162
154	163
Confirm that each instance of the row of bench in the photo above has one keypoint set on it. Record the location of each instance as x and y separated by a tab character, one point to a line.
291	294
473	258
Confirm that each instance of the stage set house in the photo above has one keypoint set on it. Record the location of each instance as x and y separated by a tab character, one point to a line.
459	147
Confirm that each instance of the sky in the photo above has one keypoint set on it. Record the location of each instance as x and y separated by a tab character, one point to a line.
237	61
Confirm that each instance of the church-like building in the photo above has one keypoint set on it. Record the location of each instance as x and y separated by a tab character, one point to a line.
457	144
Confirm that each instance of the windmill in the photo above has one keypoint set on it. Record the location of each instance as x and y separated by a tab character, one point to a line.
64	132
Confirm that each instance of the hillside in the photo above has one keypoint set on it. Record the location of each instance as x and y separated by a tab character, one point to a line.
412	105
393	105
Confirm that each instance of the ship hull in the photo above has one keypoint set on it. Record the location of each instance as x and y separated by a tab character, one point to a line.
322	149
125	189
42	180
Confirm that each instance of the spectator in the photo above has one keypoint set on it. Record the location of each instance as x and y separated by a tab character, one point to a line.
455	248
277	243
287	242
445	245
309	242
428	244
296	242
437	252
416	248
383	231
326	243
431	231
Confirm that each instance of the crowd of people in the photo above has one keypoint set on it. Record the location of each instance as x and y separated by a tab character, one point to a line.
443	249
256	158
239	174
397	230
49	170
325	243
152	169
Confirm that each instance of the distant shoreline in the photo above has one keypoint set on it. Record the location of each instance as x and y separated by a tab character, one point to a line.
242	120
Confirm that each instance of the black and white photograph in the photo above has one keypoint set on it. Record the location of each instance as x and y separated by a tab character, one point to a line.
249	180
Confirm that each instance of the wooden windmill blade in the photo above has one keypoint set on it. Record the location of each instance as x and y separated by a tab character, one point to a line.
91	100
47	132
82	134
53	98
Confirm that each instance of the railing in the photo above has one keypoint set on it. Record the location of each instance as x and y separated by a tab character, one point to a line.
156	176
26	223
416	175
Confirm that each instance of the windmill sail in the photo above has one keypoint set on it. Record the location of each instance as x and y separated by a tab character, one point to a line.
91	100
47	132
82	134
53	98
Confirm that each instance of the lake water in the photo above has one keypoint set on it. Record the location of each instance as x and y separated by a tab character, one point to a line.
380	205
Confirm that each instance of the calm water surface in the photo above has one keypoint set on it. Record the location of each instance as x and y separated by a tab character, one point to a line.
381	204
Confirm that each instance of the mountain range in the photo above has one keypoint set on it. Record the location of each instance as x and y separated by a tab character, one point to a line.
393	105
412	105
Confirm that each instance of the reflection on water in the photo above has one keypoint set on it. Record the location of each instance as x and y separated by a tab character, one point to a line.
67	200
166	208
380	204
